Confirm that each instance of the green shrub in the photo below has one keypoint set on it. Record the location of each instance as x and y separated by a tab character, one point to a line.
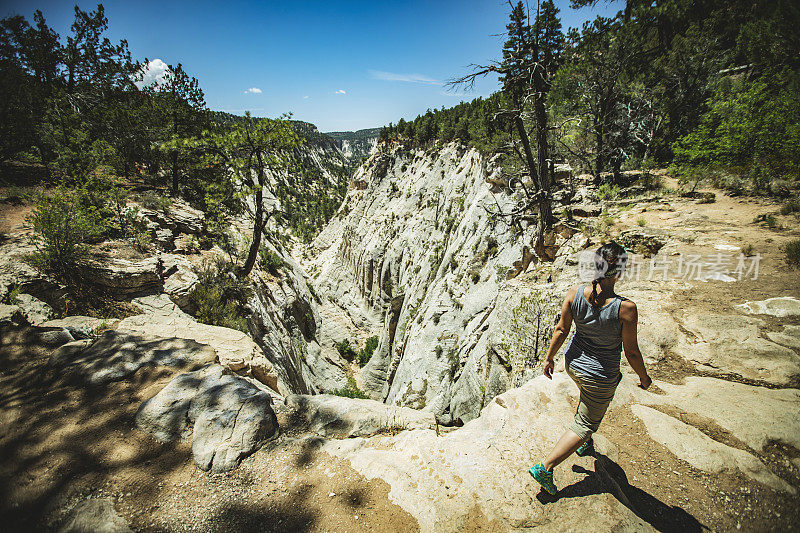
767	220
220	298
346	350
792	206
792	251
641	222
747	250
608	191
366	352
707	198
751	127
438	350
351	390
270	261
154	201
192	245
62	225
502	272
10	298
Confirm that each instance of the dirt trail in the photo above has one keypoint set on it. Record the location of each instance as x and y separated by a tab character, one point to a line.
62	444
720	502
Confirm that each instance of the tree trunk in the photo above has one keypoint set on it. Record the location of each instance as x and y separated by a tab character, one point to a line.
174	154
174	157
526	144
258	224
543	154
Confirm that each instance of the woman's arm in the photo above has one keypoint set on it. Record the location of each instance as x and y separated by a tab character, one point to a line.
561	331
629	317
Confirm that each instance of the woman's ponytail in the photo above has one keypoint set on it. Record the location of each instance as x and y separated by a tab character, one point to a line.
610	261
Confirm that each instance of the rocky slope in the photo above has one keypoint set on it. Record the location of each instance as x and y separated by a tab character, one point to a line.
417	256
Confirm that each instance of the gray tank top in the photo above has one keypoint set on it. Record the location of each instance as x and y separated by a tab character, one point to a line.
594	349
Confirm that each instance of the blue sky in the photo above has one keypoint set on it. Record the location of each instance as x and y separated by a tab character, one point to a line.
339	65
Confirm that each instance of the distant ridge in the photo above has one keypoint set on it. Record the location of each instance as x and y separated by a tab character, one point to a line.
356	144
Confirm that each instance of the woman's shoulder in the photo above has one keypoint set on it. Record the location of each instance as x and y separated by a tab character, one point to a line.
572	293
627	308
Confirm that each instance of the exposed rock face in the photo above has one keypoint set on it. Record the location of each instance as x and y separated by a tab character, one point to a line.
356	144
124	277
116	355
234	349
731	343
440	479
228	417
14	271
285	323
178	218
11	315
416	256
703	452
339	417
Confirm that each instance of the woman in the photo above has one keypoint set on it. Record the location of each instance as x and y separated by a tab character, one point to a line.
605	323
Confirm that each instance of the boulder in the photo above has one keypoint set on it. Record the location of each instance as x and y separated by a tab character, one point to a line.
234	349
117	355
340	417
782	306
122	277
53	336
95	516
35	310
185	218
642	241
81	327
11	316
179	285
228	418
179	217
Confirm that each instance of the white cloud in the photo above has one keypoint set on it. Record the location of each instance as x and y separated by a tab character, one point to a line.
253	90
305	97
340	91
408	78
153	73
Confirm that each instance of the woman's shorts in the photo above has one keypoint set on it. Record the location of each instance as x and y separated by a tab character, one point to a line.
596	395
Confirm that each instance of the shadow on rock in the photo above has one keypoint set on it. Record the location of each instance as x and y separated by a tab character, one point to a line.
609	477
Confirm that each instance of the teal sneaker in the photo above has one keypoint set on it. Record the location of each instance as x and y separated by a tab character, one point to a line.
586	448
544	478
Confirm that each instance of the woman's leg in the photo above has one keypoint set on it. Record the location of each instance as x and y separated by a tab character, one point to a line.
594	400
566	446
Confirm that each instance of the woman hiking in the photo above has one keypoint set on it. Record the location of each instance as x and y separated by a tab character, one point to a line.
605	323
